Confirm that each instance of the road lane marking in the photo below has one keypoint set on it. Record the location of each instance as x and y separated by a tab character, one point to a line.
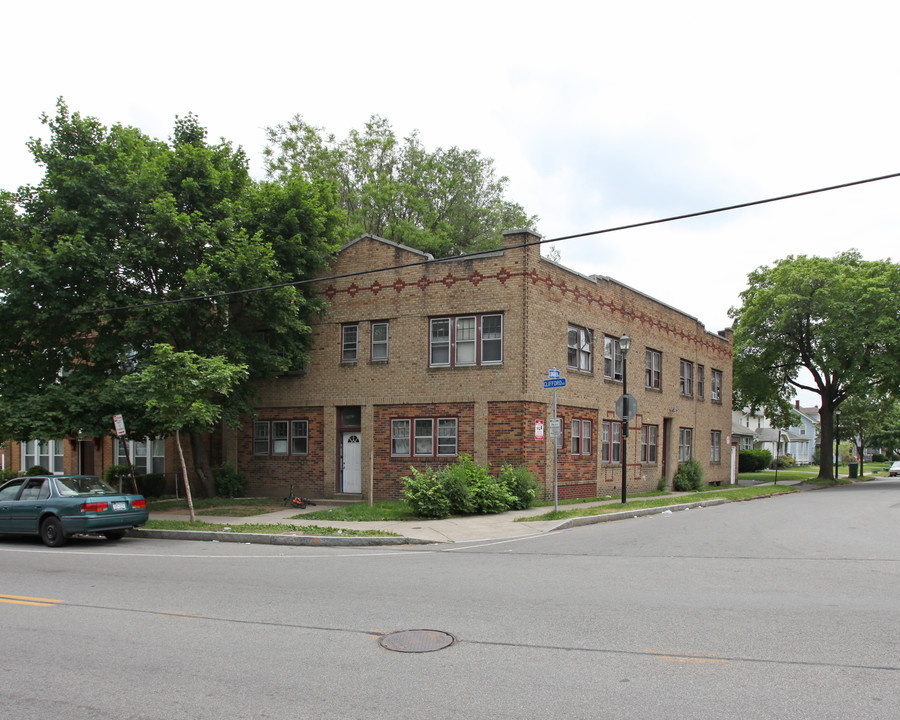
669	656
22	600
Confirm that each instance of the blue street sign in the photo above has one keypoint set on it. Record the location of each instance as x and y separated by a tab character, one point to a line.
553	374
555	383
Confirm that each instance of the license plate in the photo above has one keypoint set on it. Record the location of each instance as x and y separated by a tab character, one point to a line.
119	506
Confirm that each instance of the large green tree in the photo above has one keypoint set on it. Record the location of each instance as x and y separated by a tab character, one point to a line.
836	319
445	202
129	241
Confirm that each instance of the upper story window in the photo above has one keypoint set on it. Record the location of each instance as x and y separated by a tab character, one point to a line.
653	372
701	381
466	340
716	385
687	378
612	358
580	342
349	343
379	341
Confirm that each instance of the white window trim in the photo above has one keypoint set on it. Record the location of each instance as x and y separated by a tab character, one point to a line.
55	455
583	348
380	343
350	347
404	429
299	431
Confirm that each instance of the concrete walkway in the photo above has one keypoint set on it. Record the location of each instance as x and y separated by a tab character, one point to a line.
468	528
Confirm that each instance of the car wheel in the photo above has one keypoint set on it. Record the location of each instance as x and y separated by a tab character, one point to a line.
114	534
52	532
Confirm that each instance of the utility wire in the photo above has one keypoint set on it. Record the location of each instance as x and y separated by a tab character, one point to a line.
467	256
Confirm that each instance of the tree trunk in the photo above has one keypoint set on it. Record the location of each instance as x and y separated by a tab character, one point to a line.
201	463
187	484
826	448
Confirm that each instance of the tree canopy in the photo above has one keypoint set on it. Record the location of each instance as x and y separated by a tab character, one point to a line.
129	241
444	202
838	319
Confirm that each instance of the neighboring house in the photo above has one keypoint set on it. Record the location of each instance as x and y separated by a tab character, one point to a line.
91	456
806	434
755	431
415	365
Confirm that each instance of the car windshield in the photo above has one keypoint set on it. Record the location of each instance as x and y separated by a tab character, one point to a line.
84	485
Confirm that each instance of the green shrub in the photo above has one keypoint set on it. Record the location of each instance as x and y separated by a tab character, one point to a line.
689	477
424	492
229	482
753	460
489	495
522	485
785	461
456	482
663	484
151	484
878	458
115	473
36	470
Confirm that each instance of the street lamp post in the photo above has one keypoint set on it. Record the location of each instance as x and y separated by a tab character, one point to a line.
624	346
837	442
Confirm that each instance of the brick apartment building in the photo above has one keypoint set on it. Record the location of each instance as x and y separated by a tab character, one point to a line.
417	364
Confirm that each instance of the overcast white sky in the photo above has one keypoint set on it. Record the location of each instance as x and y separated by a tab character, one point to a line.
601	114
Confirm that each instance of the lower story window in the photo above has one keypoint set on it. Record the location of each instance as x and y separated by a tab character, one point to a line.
299	437
147	455
649	434
260	438
416	436
281	437
715	446
611	444
581	437
684	444
46	453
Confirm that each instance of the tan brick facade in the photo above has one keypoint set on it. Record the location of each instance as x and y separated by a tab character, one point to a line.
486	381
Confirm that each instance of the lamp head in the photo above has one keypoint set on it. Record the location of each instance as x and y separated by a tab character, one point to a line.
625	344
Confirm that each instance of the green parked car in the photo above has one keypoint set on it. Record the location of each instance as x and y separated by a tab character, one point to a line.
57	507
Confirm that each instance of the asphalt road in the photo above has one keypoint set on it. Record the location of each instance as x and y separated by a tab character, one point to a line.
778	608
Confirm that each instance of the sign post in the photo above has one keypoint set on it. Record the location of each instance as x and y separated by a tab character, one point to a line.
119	424
554	426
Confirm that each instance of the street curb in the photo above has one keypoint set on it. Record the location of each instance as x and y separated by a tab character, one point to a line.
271	539
625	514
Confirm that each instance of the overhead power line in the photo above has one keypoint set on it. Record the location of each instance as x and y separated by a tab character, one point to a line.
618	228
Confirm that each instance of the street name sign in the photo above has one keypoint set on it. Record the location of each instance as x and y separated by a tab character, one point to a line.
554	383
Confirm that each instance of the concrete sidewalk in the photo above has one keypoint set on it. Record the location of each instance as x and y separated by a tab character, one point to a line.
468	528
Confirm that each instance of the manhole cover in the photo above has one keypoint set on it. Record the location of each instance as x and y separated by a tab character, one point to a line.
417	641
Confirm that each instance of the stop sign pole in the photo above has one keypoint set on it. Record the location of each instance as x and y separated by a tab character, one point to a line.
627	410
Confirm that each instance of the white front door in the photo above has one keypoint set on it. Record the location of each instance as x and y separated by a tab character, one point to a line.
351	463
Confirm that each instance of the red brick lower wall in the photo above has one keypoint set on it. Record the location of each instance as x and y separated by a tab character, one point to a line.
388	470
272	475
